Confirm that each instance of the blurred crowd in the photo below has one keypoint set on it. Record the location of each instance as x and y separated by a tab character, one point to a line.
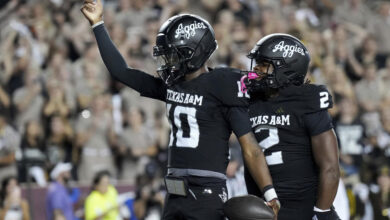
58	104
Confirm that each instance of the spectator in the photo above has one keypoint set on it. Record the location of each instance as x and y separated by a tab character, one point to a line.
369	90
48	52
58	201
354	11
380	195
368	53
33	154
102	202
28	99
381	28
350	134
9	145
149	199
94	135
56	102
12	205
136	145
59	141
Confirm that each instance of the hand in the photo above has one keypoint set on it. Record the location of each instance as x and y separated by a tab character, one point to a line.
275	205
329	215
93	11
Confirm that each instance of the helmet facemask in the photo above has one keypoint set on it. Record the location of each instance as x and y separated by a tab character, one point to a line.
169	64
261	78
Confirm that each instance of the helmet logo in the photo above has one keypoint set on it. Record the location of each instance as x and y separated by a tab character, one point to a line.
288	50
189	30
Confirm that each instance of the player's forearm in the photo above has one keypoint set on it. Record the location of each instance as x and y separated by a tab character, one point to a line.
115	62
328	184
112	58
255	161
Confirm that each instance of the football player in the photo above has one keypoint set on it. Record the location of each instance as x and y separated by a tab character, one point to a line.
291	123
203	108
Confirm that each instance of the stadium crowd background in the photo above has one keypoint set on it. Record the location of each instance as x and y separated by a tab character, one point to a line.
59	104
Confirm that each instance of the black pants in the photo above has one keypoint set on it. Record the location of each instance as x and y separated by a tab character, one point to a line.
301	209
201	202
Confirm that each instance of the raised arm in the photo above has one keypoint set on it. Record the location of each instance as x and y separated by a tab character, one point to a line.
138	80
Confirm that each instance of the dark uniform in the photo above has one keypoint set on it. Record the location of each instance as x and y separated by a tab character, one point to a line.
283	126
202	113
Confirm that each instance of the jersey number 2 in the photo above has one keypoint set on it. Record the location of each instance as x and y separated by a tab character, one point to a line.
187	132
270	141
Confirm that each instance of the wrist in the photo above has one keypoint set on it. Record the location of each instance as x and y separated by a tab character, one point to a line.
316	209
269	193
96	23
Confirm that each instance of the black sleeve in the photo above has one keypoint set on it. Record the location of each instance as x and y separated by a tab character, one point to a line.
239	120
226	87
318	122
142	82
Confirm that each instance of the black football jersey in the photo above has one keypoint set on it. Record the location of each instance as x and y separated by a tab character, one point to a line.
201	119
283	129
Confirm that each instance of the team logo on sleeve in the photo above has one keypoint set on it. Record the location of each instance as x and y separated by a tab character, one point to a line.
288	50
189	30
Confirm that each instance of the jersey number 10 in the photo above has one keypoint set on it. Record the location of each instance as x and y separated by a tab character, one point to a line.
186	127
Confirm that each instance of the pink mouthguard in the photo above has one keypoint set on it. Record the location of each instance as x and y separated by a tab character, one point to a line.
250	75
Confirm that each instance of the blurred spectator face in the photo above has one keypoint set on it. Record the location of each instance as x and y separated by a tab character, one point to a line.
135	117
370	72
286	2
355	3
240	32
384	9
31	77
11	186
138	4
99	104
340	33
225	17
370	45
91	53
59	18
57	61
103	184
33	129
124	5
234	5
348	107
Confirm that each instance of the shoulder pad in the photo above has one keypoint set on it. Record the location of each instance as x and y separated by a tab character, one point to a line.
225	84
312	98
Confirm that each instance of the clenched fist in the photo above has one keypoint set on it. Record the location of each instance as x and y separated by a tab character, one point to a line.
93	11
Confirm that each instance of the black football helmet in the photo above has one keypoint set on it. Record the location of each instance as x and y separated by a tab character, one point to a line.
288	61
184	43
